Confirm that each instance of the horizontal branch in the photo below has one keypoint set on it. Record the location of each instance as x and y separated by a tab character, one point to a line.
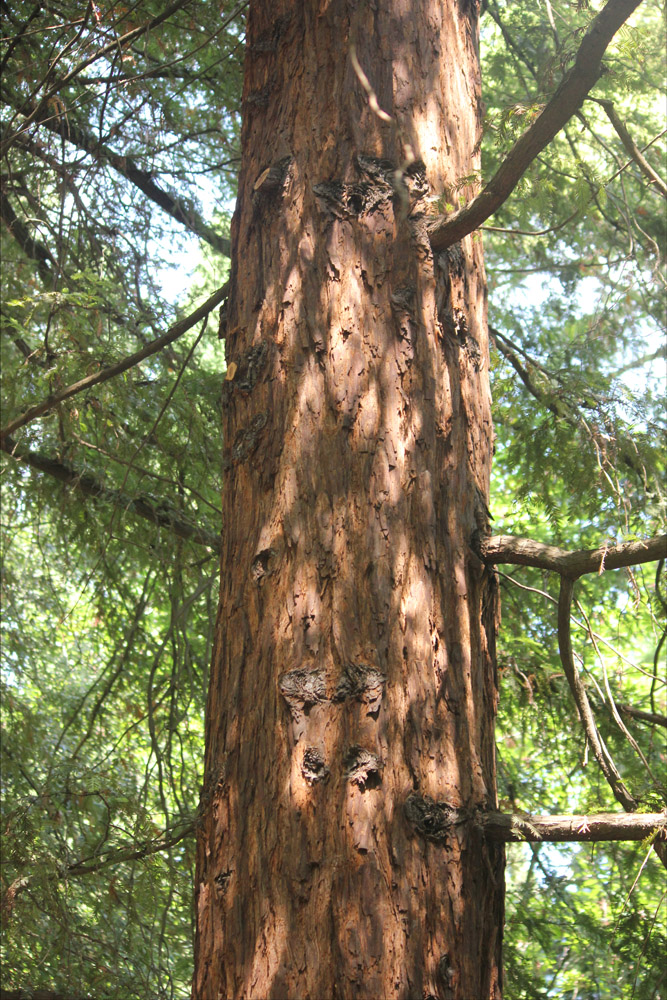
566	101
570	564
652	718
172	334
507	827
122	854
152	510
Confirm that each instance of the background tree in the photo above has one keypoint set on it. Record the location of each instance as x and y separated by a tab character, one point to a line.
109	582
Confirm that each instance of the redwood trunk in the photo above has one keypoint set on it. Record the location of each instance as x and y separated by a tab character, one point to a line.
352	697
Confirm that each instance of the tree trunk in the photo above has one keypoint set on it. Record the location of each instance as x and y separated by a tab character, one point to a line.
352	696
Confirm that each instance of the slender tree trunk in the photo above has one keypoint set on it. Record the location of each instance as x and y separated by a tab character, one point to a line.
352	696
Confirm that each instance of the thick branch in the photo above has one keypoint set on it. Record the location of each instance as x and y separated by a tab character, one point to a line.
154	511
652	718
506	827
172	334
571	565
568	98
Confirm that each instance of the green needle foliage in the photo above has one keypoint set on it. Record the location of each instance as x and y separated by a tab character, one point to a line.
120	146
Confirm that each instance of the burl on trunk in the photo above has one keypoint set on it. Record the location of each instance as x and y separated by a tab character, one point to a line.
352	694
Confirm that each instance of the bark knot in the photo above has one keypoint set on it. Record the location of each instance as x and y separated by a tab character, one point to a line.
433	820
349	201
363	682
222	879
272	180
250	367
362	767
313	766
261	564
303	688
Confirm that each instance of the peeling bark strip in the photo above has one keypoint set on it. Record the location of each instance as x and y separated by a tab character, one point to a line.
354	655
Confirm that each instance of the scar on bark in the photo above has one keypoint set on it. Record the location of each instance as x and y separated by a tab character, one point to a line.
248	437
271	180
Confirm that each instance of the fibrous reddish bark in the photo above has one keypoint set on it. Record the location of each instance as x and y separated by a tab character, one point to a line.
352	696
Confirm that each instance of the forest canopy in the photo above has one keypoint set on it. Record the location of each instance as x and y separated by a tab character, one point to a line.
120	152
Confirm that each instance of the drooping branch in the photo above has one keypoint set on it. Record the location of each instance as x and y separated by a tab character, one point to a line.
560	409
173	333
105	859
185	214
168	839
35	12
158	513
602	755
114	46
508	827
632	149
31	247
566	101
570	564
